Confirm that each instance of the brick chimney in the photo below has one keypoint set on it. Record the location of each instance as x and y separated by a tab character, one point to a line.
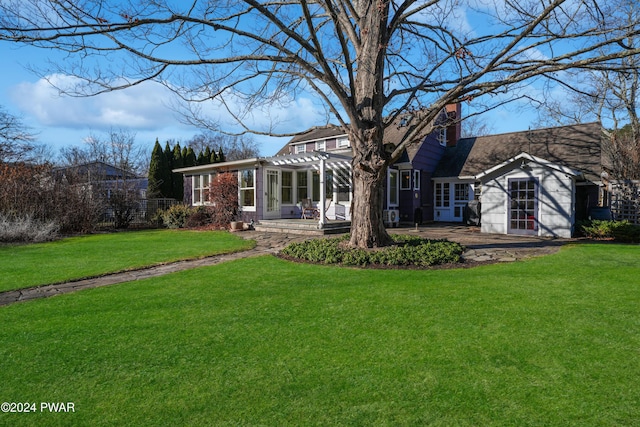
454	125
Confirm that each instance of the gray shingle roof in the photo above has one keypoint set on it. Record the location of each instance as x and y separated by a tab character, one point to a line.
576	146
313	134
393	134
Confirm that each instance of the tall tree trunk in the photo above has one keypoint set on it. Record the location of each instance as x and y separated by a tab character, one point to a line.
370	161
369	164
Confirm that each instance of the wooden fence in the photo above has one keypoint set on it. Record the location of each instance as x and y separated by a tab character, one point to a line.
625	200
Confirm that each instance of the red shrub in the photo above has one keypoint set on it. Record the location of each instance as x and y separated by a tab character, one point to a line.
224	197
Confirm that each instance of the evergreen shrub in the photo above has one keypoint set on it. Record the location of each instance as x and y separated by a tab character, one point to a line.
176	216
408	251
621	231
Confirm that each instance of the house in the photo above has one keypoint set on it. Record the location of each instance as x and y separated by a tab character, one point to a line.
534	182
537	182
122	191
316	165
103	175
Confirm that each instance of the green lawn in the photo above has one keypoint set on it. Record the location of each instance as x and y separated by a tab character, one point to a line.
551	341
78	257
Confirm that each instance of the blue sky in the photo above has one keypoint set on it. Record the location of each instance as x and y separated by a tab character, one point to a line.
145	109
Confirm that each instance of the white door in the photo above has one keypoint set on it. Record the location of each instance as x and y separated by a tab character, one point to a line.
442	195
272	194
523	206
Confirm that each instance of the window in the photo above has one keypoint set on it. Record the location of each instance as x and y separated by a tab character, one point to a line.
405	180
523	208
315	186
328	185
343	182
442	136
461	192
287	187
442	194
247	188
302	186
416	180
200	189
393	187
342	142
301	148
321	145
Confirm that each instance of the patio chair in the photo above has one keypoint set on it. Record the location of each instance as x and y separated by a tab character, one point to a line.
308	210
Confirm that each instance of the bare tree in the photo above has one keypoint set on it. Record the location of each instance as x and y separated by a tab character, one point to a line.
608	96
367	61
117	190
234	147
16	139
475	126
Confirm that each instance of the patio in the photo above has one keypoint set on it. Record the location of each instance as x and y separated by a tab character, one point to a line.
307	227
480	247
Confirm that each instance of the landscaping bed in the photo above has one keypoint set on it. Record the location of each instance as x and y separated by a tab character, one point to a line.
408	251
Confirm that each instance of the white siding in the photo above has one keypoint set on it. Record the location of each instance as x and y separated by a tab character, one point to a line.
556	204
494	206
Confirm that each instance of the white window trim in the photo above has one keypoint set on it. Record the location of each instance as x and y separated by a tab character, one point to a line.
281	186
389	173
342	142
467	189
439	203
240	188
202	190
321	145
442	136
300	148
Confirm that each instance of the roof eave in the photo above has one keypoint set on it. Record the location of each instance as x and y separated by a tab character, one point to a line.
524	157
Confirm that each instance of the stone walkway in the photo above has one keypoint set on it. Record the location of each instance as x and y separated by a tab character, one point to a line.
480	248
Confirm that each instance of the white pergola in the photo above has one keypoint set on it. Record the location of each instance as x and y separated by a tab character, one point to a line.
317	160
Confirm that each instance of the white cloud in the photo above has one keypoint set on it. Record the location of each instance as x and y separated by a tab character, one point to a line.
280	117
141	107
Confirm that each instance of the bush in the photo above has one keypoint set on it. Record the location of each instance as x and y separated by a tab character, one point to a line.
26	229
408	251
176	216
622	231
627	233
199	217
224	196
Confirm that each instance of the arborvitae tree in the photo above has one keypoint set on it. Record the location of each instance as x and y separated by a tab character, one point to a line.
169	153
158	173
184	155
201	160
214	157
190	158
207	155
221	157
178	178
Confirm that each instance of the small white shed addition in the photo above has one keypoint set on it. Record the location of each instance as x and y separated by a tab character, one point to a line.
528	195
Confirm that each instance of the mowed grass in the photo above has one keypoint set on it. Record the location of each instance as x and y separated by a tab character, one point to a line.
87	256
551	341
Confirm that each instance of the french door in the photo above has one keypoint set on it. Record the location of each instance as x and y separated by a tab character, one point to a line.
523	206
272	194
